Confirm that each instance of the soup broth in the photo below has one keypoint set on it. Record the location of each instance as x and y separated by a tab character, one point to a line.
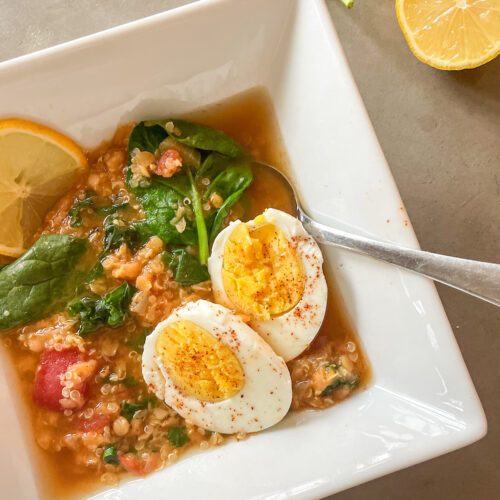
72	443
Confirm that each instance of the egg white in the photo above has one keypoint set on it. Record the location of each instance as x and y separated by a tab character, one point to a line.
290	333
266	396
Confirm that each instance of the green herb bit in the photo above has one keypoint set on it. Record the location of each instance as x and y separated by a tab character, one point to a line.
332	366
117	302
91	316
187	269
177	435
110	309
128	382
111	209
134	235
109	455
130	409
116	232
339	382
74	212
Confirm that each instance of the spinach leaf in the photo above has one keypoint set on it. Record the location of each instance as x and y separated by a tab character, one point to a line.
41	280
179	183
76	217
96	272
129	409
110	309
74	212
201	137
211	166
117	302
222	213
201	227
143	230
146	136
133	234
216	164
109	455
177	435
111	209
186	268
227	168
191	157
117	232
91	315
160	203
229	178
339	382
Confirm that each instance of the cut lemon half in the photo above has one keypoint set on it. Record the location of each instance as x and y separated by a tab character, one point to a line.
37	166
451	34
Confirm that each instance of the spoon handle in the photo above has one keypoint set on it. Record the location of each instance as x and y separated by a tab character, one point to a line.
481	279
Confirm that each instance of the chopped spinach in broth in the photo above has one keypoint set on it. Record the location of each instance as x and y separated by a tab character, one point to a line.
113	258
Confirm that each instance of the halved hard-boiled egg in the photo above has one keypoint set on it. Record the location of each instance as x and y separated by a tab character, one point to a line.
214	370
270	269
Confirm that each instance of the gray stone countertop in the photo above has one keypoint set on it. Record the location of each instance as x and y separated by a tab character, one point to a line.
440	132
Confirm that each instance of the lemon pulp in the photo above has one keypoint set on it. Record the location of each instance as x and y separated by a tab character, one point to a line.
451	34
38	166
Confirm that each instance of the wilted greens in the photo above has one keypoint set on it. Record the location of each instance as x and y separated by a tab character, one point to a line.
41	281
95	311
187	269
178	209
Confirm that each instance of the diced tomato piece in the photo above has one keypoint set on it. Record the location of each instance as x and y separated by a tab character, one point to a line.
170	163
94	423
137	466
47	391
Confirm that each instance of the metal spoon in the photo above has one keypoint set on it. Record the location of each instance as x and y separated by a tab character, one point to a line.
481	279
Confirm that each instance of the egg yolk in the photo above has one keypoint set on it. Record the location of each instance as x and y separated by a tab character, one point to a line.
261	272
198	363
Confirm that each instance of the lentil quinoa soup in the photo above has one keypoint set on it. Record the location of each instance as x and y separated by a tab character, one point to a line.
105	421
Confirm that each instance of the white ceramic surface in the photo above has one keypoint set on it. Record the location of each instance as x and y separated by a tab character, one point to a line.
422	402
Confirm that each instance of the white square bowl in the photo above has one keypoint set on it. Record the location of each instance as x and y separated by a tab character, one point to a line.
422	402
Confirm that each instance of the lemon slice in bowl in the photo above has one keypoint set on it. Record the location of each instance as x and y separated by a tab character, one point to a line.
37	166
451	34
